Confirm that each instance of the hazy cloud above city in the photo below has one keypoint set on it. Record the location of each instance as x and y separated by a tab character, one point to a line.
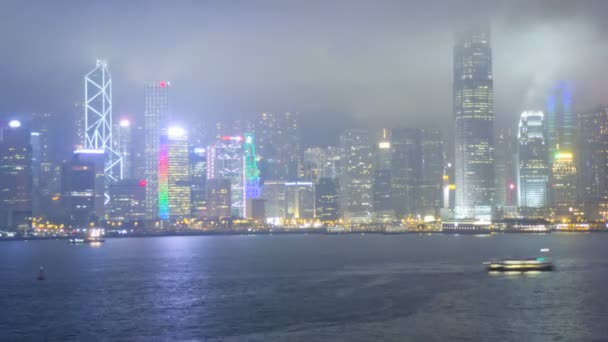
362	63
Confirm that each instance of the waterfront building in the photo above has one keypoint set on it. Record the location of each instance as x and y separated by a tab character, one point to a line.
274	193
593	157
79	187
198	181
416	171
122	146
279	145
156	118
532	160
16	176
98	120
327	204
474	122
218	198
173	175
356	178
225	161
564	181
128	200
506	169
97	159
251	176
381	187
299	200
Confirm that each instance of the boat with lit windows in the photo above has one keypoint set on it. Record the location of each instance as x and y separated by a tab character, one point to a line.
520	265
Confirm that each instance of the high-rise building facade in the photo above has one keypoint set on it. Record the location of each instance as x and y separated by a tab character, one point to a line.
533	168
356	177
251	173
506	169
279	145
382	176
416	171
123	147
98	119
474	122
198	181
174	175
564	182
560	119
128	200
593	155
218	198
15	176
327	204
299	200
225	161
156	118
78	191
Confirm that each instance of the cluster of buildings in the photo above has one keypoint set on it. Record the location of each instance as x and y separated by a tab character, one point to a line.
154	170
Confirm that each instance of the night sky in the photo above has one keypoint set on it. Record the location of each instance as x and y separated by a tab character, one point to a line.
348	63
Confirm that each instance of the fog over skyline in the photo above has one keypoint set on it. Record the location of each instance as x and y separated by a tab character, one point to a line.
348	63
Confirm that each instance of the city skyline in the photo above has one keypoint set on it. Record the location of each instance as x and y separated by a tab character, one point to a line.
334	83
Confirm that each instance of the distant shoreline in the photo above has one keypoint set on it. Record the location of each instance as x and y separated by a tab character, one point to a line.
290	232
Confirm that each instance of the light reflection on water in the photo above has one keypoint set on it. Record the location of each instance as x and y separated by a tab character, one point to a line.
371	287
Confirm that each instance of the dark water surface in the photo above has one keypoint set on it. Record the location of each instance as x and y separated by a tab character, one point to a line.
304	288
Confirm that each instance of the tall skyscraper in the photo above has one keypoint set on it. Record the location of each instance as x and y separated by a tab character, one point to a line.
198	181
532	161
474	123
225	161
300	200
560	119
382	176
15	176
156	118
416	171
251	175
506	169
593	156
78	191
128	200
173	175
122	146
279	145
356	174
218	197
327	204
98	119
564	182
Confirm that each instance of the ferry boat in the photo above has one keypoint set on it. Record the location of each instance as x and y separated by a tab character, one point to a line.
520	265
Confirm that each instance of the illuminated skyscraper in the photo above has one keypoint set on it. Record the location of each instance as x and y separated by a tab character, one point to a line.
279	145
122	146
218	198
560	119
274	193
506	169
564	181
198	181
416	171
474	119
15	176
382	176
593	157
156	118
98	119
327	204
532	161
300	200
356	174
321	162
251	175
173	175
78	191
225	161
